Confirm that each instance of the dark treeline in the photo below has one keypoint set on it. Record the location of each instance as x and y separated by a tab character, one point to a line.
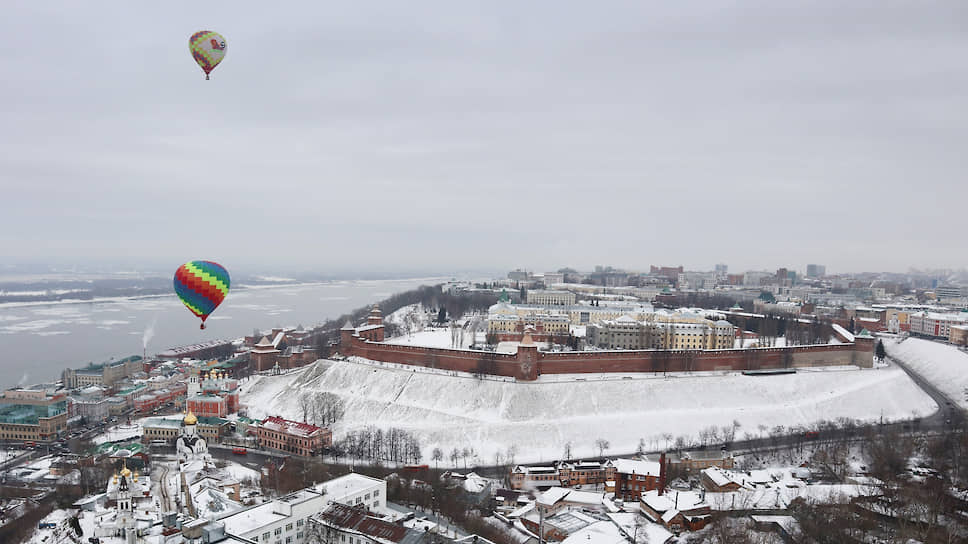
797	332
709	301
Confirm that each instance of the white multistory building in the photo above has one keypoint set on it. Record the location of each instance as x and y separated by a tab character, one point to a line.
551	298
353	489
285	520
280	521
936	324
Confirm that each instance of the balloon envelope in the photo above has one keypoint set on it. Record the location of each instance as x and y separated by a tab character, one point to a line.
201	286
208	49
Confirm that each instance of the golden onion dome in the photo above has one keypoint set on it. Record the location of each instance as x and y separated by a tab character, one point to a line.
190	419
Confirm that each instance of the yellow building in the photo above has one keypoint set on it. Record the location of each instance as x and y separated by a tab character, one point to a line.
664	330
577	314
958	335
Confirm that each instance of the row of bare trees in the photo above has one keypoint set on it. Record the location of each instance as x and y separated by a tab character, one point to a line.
321	408
463	453
375	444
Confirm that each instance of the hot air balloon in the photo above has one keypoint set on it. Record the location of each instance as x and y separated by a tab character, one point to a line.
201	286
208	49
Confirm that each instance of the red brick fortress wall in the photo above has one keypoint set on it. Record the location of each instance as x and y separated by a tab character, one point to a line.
528	363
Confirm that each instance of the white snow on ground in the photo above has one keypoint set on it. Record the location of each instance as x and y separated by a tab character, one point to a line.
119	432
412	318
539	418
779	342
434	338
946	367
240	472
60	533
8	454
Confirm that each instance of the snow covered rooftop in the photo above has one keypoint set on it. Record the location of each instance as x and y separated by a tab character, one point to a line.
632	527
842	332
634	466
290	427
250	519
722	477
347	485
553	496
659	503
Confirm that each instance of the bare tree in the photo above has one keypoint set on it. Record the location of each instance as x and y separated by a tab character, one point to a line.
305	402
511	453
437	456
602	446
729	432
681	443
567	452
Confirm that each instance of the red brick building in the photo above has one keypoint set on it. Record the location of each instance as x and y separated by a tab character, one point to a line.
583	472
208	406
525	477
294	437
633	477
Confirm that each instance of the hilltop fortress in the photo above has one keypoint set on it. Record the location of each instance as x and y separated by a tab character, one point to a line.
528	363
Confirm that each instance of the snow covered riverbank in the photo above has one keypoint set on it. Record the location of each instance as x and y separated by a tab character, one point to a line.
537	419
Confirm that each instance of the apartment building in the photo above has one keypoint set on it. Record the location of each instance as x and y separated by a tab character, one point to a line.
550	298
32	414
662	331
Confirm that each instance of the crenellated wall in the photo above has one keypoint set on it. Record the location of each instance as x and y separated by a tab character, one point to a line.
529	363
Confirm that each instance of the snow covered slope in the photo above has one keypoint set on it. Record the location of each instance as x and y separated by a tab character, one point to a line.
946	367
411	318
539	418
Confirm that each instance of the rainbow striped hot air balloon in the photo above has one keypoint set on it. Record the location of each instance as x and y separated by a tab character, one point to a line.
201	286
208	49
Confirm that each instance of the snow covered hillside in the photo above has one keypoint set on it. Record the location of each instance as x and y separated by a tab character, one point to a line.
539	418
411	318
946	367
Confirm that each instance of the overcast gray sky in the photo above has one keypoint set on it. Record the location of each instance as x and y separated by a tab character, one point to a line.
455	135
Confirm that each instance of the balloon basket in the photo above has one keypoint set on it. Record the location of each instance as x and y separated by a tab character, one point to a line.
202	326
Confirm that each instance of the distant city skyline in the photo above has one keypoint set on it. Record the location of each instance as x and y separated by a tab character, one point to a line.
62	268
442	136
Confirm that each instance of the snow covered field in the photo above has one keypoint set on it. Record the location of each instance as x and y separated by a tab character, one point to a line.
537	419
946	367
120	432
437	338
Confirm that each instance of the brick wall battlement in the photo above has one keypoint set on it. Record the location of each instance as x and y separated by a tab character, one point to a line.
529	363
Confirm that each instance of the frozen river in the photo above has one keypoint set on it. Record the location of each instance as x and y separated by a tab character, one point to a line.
38	341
